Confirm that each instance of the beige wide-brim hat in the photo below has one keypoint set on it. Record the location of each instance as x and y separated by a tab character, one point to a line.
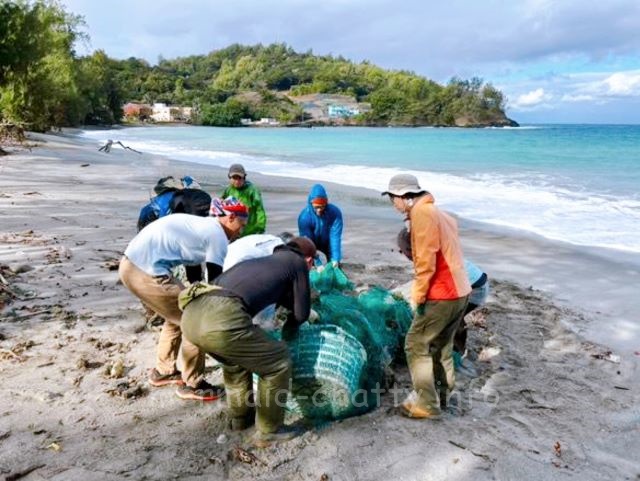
402	184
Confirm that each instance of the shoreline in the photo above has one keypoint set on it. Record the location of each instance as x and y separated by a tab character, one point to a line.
596	281
69	211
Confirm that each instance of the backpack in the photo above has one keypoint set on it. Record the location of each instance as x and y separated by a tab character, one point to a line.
167	184
158	207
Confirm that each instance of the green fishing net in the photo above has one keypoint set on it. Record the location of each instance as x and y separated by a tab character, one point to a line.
341	359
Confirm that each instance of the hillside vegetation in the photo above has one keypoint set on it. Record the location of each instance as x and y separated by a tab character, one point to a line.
44	84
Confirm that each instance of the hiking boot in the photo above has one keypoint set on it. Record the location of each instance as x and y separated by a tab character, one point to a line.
202	392
411	410
242	423
285	433
158	380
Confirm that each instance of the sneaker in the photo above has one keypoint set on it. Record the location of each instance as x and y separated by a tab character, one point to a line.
154	323
158	380
285	433
202	392
411	410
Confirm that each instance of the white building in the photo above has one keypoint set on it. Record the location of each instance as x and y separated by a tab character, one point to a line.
164	113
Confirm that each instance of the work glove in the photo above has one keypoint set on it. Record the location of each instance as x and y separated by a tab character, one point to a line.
313	317
290	327
416	308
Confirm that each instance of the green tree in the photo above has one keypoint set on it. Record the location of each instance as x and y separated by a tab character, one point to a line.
37	76
99	89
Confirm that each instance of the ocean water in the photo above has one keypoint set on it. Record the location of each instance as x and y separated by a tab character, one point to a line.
574	183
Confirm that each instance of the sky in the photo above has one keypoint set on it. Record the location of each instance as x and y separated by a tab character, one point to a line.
557	61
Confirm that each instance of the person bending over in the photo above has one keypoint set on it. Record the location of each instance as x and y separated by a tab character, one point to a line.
321	222
146	270
218	319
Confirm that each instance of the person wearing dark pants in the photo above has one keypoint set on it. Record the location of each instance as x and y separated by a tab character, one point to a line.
218	319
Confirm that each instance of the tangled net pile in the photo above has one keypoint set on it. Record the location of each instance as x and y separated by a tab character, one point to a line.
341	358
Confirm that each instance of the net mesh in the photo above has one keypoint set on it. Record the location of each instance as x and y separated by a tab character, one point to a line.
343	357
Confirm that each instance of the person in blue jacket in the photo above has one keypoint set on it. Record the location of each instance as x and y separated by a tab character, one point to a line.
321	222
173	197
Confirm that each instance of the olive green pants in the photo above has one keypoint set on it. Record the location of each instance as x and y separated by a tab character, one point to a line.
222	327
429	350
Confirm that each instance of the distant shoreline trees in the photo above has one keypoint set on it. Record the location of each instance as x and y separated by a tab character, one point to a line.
44	84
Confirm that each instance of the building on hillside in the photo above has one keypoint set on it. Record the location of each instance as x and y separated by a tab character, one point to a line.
267	121
341	111
136	112
171	113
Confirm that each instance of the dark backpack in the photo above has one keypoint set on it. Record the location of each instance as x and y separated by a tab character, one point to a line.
191	201
187	201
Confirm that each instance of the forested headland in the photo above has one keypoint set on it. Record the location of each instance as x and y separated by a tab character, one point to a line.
45	84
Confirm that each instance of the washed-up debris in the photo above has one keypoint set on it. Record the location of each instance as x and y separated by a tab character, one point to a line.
17	351
479	455
557	449
85	364
488	353
106	148
56	255
127	390
244	456
55	446
115	369
26	237
9	354
112	264
607	356
477	318
21	268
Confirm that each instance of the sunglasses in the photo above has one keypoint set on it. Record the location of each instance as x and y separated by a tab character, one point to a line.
236	177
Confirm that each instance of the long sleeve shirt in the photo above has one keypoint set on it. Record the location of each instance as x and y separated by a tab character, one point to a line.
250	196
439	272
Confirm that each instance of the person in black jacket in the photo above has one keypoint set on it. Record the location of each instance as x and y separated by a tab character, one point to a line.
218	319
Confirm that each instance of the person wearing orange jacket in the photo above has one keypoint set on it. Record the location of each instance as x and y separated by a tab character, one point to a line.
439	296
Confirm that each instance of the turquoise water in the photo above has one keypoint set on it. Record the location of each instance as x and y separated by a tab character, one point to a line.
575	183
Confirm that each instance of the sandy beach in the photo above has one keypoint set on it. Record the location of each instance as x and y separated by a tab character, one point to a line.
549	389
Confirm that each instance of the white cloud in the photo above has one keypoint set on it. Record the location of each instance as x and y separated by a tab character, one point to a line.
577	98
531	99
623	84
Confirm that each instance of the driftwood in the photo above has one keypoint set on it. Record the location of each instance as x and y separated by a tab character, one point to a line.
106	148
11	135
